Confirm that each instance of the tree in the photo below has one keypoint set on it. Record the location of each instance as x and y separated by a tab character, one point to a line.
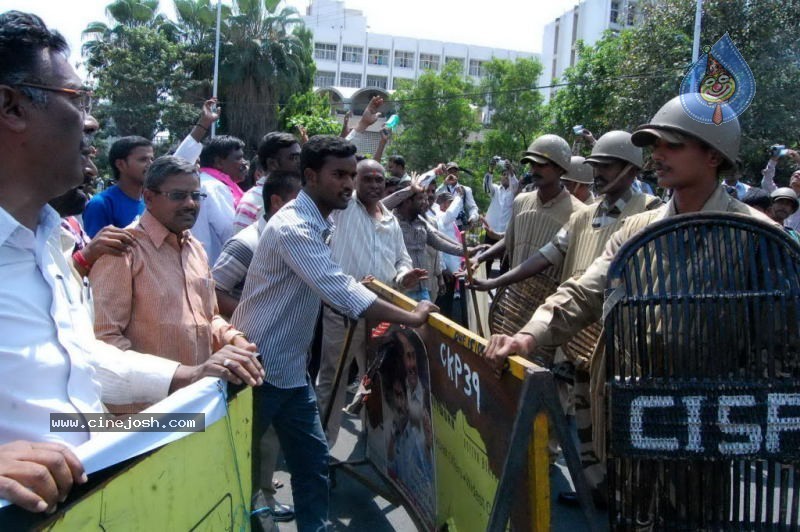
139	81
517	113
312	112
197	20
266	59
436	117
622	81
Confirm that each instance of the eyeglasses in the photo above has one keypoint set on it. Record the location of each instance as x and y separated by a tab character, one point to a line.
181	195
83	96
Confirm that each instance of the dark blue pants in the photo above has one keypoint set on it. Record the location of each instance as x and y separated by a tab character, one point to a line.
293	412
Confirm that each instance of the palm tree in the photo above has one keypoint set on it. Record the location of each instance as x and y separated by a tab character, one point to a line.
127	14
197	20
267	57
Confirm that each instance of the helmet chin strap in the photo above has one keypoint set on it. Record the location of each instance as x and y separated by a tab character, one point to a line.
617	179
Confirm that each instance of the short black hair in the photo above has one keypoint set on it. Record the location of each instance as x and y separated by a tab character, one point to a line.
22	38
165	167
398	160
319	147
220	146
272	143
757	197
283	183
122	148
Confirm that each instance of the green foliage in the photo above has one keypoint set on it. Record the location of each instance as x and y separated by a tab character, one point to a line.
267	58
622	81
517	117
436	118
140	81
311	111
152	73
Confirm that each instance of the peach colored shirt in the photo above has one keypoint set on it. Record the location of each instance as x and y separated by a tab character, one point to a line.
159	297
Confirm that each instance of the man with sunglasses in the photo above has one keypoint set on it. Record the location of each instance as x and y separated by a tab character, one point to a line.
159	296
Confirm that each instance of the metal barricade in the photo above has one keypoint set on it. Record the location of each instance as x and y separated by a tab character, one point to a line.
702	362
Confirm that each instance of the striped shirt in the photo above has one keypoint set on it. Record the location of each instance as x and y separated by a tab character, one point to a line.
291	273
231	267
364	245
250	207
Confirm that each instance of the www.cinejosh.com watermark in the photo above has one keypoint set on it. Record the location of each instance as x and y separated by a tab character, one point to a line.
149	422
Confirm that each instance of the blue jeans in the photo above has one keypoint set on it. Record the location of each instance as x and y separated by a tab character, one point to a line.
293	412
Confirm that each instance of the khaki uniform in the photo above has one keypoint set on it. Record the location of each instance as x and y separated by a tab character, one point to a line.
587	233
534	223
579	302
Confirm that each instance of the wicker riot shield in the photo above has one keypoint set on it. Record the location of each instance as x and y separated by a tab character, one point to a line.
703	376
515	304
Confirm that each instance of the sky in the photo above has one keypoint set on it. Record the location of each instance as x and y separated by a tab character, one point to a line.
513	24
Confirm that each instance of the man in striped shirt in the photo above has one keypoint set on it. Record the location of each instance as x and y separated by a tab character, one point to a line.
231	267
367	240
291	274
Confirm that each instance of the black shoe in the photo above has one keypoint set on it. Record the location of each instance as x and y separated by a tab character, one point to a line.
282	513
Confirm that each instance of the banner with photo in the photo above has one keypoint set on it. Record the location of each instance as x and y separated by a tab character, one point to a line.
439	423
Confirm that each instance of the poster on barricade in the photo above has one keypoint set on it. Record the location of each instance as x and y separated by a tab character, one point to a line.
402	443
466	421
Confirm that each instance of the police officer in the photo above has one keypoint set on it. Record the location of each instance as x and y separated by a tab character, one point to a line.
688	156
538	215
579	179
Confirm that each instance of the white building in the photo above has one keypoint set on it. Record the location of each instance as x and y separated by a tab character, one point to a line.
586	21
353	64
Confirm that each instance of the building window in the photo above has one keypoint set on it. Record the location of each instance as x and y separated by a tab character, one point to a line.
324	79
325	51
614	15
429	62
401	83
352	54
631	14
350	80
404	59
459	60
380	82
476	68
377	56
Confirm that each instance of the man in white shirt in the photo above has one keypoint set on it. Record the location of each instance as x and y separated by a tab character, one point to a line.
50	361
469	211
499	212
366	240
222	166
768	184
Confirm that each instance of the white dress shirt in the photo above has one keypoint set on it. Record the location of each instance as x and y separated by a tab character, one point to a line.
214	225
499	212
363	245
50	361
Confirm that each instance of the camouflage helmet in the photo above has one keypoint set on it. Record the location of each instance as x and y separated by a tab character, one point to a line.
616	145
579	172
673	124
549	148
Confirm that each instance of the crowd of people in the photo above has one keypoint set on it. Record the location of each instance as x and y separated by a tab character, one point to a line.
175	272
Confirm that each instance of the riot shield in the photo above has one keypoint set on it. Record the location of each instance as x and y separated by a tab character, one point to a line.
515	304
702	376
